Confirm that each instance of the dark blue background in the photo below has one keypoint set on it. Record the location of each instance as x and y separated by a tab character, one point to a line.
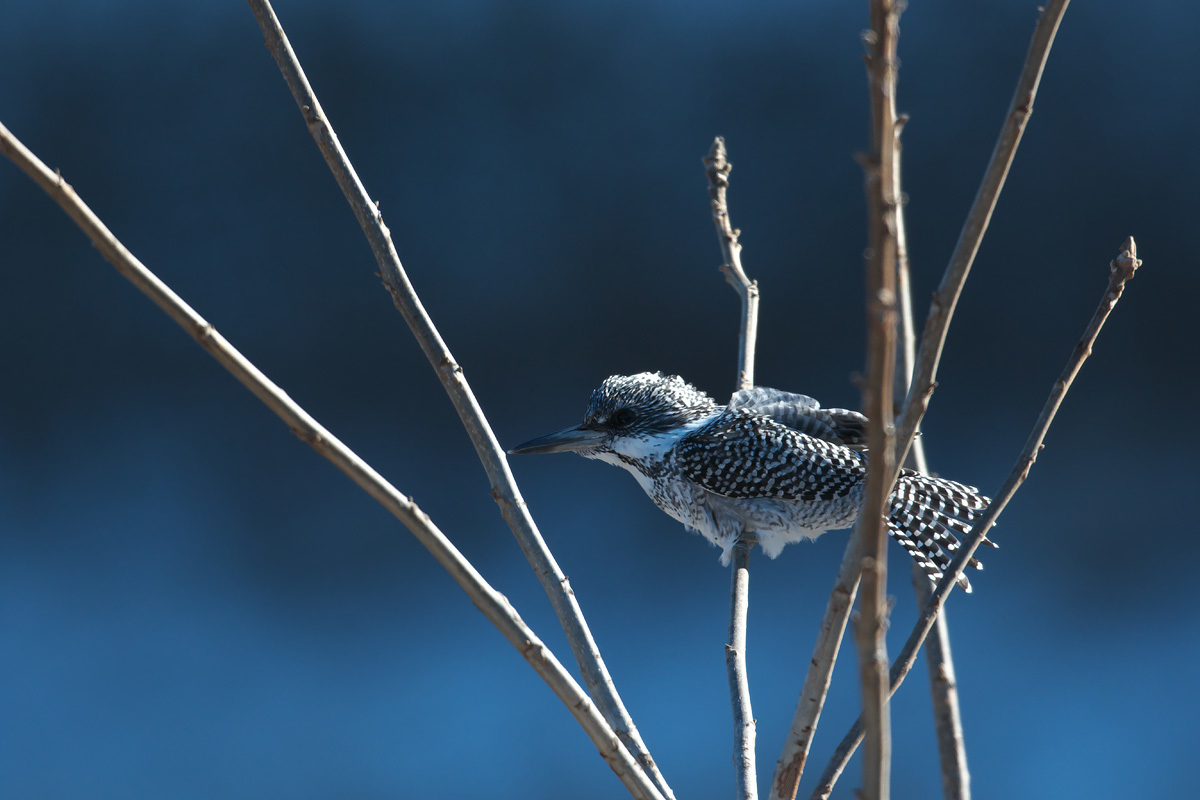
193	604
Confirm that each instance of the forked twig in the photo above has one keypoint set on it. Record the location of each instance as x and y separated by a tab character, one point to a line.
718	169
493	604
504	487
1121	270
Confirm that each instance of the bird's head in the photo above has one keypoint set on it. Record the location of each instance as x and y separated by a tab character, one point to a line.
628	414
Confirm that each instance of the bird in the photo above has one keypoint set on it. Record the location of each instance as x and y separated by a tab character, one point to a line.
769	465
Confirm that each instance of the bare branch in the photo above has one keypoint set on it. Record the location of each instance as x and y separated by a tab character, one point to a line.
947	716
790	767
943	688
869	535
504	488
493	604
884	207
718	169
883	198
808	709
735	663
1121	269
941	310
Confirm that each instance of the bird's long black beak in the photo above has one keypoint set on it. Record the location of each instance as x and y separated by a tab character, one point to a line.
565	441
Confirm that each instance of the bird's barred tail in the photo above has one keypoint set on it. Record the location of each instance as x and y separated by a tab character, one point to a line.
928	515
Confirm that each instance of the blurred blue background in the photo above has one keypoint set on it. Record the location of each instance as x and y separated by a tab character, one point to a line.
193	604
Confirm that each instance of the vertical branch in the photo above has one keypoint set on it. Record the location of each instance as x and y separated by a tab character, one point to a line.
882	201
1121	269
718	169
921	371
943	687
943	691
450	373
941	309
735	663
869	536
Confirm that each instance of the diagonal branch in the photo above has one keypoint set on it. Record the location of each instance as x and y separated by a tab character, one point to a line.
504	487
943	690
1121	270
493	604
798	743
941	309
745	768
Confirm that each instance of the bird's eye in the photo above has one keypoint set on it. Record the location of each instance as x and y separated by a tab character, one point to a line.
623	418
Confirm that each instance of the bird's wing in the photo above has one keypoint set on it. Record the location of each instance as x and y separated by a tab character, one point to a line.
744	454
802	413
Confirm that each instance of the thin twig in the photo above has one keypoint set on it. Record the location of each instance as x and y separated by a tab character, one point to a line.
885	246
943	687
1121	270
735	664
718	169
941	309
493	604
883	196
943	690
921	384
797	744
504	487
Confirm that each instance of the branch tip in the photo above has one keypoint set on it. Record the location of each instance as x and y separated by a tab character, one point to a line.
1125	265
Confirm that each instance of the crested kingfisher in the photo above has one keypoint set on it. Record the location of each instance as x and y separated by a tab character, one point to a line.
771	464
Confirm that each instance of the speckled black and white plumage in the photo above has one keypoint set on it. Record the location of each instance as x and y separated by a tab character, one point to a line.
770	462
804	414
